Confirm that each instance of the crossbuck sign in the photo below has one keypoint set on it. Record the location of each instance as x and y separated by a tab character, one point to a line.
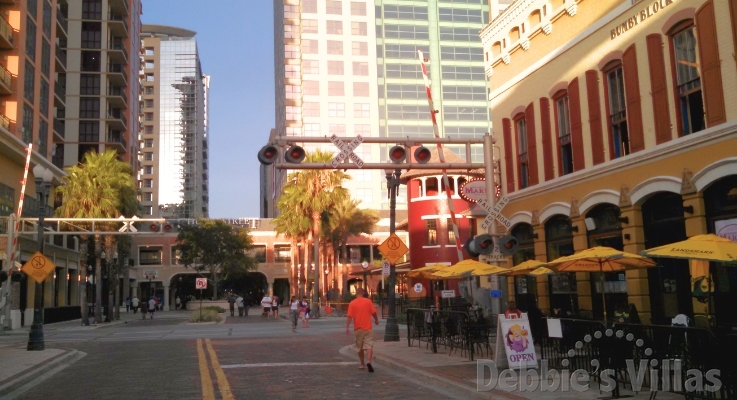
346	151
495	213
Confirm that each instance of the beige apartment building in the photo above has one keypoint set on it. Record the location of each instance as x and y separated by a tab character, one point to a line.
617	125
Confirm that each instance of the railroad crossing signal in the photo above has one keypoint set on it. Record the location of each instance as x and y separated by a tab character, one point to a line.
346	151
495	213
128	225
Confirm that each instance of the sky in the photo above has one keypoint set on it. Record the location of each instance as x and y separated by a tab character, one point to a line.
235	39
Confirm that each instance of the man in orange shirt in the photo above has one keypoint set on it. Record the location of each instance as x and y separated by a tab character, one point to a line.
360	312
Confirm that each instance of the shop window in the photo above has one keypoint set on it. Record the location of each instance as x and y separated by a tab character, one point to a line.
617	112
688	81
150	256
451	232
431	227
259	253
282	253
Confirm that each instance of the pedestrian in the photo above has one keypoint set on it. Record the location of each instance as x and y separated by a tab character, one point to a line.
134	303
360	312
241	306
178	303
144	309
294	312
231	303
304	312
152	306
266	304
127	304
275	306
512	311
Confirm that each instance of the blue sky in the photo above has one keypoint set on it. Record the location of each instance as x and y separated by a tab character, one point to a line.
236	46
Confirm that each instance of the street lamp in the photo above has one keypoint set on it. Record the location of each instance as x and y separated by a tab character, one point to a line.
43	178
391	332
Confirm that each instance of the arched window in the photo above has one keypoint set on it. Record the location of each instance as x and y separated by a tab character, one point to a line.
690	109
617	110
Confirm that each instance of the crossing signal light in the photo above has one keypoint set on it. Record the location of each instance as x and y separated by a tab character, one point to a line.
483	244
295	154
154	227
469	250
422	155
268	155
508	245
16	276
168	227
397	154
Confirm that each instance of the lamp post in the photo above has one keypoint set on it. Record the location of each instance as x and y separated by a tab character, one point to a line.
391	332
43	178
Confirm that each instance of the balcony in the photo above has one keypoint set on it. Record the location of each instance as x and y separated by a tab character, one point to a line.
59	128
61	58
117	24
58	161
6	34
116	140
5	122
117	74
61	23
60	94
117	52
116	97
116	119
6	81
120	6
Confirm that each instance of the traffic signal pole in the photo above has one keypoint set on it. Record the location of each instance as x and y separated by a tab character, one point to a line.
491	199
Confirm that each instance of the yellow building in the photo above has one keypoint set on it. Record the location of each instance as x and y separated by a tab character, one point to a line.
616	122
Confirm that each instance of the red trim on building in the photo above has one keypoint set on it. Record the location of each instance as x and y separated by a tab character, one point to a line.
531	145
711	74
574	109
508	153
547	139
659	88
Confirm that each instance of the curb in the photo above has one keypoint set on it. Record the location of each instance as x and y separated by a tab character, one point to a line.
438	383
33	376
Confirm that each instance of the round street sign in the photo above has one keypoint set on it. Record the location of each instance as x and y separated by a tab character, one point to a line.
364	264
201	283
418	287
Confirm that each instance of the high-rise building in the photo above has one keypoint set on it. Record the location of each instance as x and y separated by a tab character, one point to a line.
101	85
174	155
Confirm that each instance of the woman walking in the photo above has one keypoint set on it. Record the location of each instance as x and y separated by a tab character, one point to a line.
305	312
275	306
294	312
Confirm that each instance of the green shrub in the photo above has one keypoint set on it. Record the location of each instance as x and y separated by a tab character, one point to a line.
207	315
217	309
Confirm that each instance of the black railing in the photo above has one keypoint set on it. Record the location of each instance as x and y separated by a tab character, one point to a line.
59	127
455	330
61	55
62	20
60	90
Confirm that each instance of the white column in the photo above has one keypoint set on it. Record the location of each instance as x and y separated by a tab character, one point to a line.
167	300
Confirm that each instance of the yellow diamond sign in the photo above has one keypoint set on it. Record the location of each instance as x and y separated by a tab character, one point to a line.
38	267
393	248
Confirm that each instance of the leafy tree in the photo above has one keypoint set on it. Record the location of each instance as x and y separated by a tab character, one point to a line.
216	247
100	187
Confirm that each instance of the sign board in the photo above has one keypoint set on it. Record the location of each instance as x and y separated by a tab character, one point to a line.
393	248
495	213
150	274
200	283
555	330
448	294
496	294
385	268
38	267
418	287
364	264
346	151
517	342
473	190
726	228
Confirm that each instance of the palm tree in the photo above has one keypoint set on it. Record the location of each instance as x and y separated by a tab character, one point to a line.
293	225
99	187
310	192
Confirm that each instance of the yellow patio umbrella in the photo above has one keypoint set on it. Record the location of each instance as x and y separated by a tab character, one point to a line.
488	270
526	268
600	259
426	271
700	247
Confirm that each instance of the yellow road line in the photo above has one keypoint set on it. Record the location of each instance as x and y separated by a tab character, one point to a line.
208	393
219	373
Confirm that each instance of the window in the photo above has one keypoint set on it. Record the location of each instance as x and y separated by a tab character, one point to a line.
451	232
148	116
334	27
565	151
462	73
336	89
431	238
465	113
361	110
360	89
524	175
148	169
335	67
360	68
335	47
148	183
464	92
291	71
148	103
291	32
43	135
92	9
291	12
459	34
149	130
311	109
410	130
148	143
366	196
309	46
148	156
310	66
89	84
149	51
337	129
311	88
43	101
293	113
617	113
334	7
89	131
89	107
408	32
688	82
149	90
149	77
293	91
312	129
30	38
150	255
460	15
396	111
147	210
358	8
29	82
359	29
362	129
408	51
405	70
405	12
27	123
45	57
462	53
91	35
336	110
148	196
360	48
291	51
405	91
309	6
259	253
282	253
149	64
32	7
309	26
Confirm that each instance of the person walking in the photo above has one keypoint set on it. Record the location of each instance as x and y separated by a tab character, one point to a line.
177	303
304	312
241	306
135	303
360	312
144	309
231	303
294	312
266	304
127	304
275	306
152	306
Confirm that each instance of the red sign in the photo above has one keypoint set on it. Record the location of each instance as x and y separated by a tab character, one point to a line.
473	190
200	283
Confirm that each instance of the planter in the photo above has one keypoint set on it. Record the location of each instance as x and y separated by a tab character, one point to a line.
193	305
